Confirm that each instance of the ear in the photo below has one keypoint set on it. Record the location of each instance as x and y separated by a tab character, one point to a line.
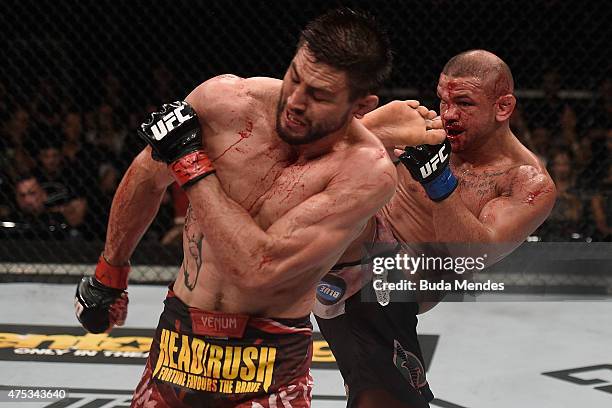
364	105
504	106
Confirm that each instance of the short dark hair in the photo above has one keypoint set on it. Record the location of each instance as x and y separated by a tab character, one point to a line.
354	42
20	178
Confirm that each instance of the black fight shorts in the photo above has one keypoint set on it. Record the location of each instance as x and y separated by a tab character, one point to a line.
376	347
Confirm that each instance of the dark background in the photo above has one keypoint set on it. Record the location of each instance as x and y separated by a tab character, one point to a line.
78	42
109	63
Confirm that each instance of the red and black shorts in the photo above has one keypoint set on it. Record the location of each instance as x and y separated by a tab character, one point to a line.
212	359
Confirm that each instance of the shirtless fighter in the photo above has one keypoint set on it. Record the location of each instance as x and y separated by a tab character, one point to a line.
281	178
492	190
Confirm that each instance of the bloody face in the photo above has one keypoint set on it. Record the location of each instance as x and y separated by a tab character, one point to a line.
467	109
314	100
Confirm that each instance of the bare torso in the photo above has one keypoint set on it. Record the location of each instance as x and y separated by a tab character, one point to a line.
266	177
410	212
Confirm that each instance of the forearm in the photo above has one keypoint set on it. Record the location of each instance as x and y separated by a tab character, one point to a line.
469	235
238	243
304	241
134	207
453	221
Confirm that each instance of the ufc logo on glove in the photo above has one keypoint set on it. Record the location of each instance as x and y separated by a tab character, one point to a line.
429	165
161	128
175	137
432	165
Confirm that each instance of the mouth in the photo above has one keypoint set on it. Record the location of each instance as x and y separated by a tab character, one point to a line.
293	121
454	131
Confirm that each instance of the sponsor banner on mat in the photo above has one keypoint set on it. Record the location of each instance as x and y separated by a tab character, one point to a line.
69	344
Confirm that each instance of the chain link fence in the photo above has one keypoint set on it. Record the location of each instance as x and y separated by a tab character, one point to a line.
77	77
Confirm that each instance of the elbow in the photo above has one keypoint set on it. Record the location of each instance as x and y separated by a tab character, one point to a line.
265	271
252	283
255	272
253	280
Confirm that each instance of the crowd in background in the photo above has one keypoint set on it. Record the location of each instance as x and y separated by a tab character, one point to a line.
573	138
61	161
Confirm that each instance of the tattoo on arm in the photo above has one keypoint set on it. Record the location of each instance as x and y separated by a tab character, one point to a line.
193	258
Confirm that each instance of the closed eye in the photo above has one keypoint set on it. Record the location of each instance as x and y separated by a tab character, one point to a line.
318	98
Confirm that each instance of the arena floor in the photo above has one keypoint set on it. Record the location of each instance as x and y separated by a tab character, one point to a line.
482	355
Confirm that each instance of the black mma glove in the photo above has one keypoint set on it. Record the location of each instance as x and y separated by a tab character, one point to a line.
428	164
174	134
101	300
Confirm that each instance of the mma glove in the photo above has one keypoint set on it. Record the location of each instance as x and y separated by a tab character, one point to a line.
174	135
429	165
101	300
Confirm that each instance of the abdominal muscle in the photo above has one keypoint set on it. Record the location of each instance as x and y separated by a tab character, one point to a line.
214	293
202	284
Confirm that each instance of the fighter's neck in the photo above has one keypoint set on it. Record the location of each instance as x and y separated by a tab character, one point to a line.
491	152
322	146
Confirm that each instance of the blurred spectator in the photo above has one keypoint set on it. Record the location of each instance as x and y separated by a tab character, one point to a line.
72	129
101	199
552	112
593	167
519	127
110	135
113	96
601	207
80	157
565	221
34	219
104	132
58	182
163	86
4	103
112	92
107	134
30	196
15	145
599	115
541	143
601	204
6	194
583	152
46	104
